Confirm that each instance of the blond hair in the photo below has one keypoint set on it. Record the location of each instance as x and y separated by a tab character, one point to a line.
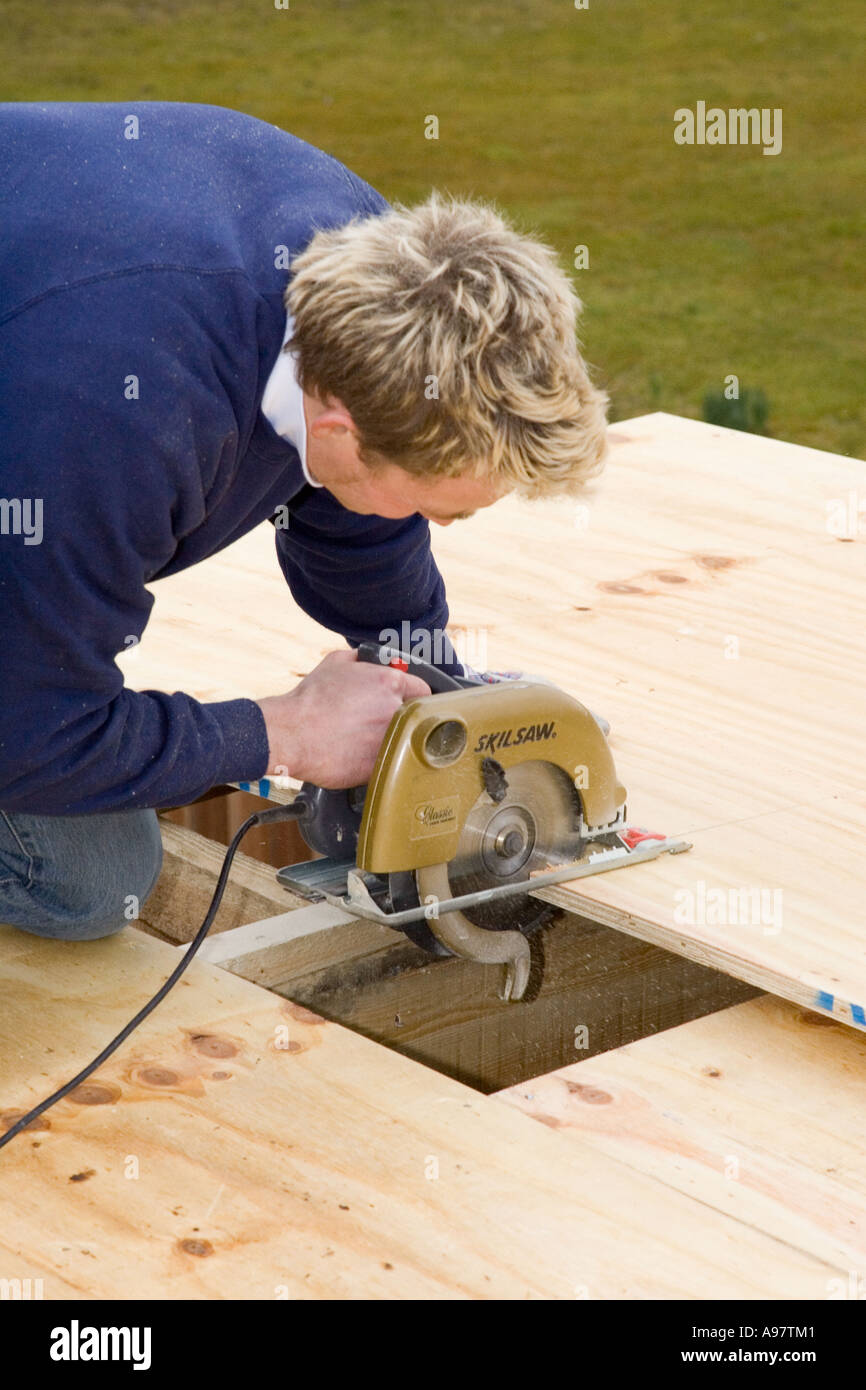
451	340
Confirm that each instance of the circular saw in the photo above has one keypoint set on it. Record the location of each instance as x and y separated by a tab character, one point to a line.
480	794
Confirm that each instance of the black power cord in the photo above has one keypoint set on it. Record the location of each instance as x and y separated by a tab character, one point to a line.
276	813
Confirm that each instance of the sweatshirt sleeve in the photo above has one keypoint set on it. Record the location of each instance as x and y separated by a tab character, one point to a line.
113	446
366	577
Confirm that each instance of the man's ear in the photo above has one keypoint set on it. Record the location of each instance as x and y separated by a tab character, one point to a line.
334	418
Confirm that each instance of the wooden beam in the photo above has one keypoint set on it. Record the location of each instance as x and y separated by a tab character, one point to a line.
283	948
191	864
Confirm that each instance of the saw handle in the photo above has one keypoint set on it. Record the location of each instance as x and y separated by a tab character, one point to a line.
332	819
438	681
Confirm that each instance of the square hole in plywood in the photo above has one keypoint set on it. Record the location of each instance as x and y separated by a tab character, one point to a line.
592	988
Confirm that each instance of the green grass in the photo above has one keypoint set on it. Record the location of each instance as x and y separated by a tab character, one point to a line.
703	261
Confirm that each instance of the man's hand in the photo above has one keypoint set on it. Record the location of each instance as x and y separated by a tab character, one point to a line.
329	728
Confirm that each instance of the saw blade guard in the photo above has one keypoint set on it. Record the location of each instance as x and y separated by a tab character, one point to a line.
430	770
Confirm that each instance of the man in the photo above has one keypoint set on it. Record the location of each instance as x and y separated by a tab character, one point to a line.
206	323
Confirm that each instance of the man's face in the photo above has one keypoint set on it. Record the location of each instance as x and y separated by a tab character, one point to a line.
392	492
389	491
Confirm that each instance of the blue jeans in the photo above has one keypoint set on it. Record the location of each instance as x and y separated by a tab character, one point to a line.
77	878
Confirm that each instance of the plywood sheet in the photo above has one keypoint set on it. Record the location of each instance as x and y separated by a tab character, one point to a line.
240	1147
710	600
756	1111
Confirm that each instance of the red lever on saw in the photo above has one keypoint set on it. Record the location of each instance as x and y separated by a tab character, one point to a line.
634	835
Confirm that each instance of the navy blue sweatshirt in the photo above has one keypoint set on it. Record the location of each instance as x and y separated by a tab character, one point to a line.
141	312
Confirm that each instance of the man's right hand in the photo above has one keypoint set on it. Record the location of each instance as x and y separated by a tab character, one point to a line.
328	730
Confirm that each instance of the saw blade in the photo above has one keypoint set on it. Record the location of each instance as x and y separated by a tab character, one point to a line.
534	826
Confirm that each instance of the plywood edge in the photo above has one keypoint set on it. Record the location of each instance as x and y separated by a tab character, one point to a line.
279	949
741	439
817	995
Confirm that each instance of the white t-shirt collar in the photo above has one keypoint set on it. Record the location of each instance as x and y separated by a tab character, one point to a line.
283	403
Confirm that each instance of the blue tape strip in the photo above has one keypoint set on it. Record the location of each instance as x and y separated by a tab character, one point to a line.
824	1001
264	786
858	1014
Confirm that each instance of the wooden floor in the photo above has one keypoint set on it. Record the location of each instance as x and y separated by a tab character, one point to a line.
704	603
756	1111
239	1146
